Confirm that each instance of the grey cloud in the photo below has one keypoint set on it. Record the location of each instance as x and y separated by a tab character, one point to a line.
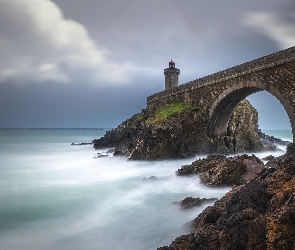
134	41
273	26
40	45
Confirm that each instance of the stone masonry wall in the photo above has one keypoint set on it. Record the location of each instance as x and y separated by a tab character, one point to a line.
219	93
259	64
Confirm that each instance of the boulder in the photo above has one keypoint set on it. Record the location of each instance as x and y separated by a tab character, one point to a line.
181	242
218	170
190	202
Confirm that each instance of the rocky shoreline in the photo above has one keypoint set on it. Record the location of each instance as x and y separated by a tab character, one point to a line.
259	211
219	170
179	130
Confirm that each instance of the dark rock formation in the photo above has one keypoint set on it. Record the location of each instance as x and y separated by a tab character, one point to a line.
259	214
268	158
190	202
81	143
217	170
181	242
269	142
242	131
145	136
178	133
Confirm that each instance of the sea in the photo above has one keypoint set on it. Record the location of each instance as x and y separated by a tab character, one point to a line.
54	195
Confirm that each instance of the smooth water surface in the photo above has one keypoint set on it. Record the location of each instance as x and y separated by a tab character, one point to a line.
57	196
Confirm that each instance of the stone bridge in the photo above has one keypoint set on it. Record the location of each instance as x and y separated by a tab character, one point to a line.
218	94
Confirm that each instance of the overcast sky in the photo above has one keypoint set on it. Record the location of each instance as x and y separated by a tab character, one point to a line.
92	63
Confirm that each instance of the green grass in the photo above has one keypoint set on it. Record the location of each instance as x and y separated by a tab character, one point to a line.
168	110
151	116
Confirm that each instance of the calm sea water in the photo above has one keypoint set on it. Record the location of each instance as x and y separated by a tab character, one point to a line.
57	196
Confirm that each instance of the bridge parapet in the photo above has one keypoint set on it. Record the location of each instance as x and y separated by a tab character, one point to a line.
266	62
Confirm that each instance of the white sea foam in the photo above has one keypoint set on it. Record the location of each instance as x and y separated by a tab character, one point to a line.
57	196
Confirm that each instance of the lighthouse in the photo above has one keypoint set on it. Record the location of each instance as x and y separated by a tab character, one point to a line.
171	76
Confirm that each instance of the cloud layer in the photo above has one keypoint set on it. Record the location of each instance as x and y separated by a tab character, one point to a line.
73	63
40	45
273	26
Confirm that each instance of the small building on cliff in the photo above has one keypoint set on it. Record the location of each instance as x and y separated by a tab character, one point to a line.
171	76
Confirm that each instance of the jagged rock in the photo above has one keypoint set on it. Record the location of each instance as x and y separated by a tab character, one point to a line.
145	137
272	163
118	153
269	142
190	202
242	131
182	133
181	242
268	158
259	214
218	170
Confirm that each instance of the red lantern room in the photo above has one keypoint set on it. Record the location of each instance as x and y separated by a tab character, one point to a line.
171	64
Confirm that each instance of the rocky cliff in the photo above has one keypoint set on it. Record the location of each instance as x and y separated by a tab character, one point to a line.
259	214
179	130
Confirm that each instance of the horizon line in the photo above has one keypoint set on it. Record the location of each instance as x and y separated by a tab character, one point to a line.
54	128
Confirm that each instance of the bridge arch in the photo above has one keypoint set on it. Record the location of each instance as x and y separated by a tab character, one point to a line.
223	106
219	93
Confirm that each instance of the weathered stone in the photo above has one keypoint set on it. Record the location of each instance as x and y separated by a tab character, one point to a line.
269	141
259	214
181	242
180	135
268	158
217	170
218	94
190	202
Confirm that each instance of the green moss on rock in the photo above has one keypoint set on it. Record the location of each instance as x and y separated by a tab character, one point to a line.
179	130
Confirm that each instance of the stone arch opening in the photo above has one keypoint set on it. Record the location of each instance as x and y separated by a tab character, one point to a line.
227	101
272	114
220	117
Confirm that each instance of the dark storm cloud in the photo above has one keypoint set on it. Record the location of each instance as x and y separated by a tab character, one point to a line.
202	37
93	63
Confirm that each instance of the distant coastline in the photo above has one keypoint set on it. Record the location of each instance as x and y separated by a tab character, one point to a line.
55	128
